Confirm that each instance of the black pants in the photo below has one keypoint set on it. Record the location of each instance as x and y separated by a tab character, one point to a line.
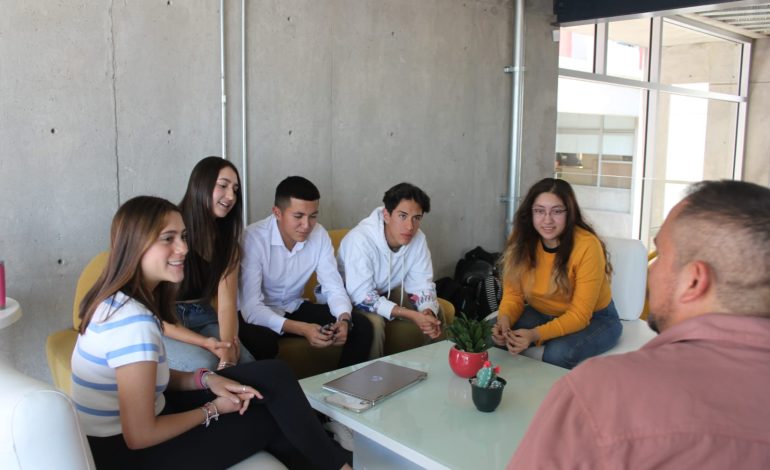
282	423
262	342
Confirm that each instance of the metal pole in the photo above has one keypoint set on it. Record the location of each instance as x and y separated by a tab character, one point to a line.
244	148
514	162
222	75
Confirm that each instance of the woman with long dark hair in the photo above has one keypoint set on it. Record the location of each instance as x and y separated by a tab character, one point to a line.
213	214
138	413
556	281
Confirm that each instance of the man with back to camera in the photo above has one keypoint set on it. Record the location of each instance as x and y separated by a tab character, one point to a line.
280	253
386	251
695	396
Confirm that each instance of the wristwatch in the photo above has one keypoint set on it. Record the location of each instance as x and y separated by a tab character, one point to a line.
349	322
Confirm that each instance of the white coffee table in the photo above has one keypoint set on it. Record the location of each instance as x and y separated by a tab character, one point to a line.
434	424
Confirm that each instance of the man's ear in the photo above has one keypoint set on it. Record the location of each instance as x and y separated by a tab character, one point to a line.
277	212
696	278
385	215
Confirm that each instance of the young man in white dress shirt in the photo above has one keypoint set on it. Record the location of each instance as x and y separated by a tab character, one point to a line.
280	253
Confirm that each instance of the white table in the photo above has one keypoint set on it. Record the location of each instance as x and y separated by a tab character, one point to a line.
10	313
434	424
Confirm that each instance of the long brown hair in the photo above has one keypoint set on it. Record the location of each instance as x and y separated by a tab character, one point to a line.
135	227
521	248
215	241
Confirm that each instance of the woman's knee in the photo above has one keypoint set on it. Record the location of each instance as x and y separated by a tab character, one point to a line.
570	350
562	354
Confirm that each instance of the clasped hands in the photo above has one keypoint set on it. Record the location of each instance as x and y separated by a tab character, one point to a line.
515	341
231	395
428	323
335	335
425	320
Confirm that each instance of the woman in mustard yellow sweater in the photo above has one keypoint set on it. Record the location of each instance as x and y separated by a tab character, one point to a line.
556	281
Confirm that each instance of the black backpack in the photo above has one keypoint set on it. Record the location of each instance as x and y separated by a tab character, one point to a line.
475	289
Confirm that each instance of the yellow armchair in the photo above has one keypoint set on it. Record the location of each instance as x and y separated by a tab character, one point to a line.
646	310
59	345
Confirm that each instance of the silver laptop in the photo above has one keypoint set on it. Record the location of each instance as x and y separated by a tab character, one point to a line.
376	381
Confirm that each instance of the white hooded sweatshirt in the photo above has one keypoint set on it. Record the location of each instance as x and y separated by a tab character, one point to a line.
371	269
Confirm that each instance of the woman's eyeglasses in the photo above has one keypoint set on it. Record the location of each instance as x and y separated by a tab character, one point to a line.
555	212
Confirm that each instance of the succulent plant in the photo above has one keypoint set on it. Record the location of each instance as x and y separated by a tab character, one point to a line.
472	336
487	375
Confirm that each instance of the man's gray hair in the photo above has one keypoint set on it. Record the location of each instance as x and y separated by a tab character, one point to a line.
726	224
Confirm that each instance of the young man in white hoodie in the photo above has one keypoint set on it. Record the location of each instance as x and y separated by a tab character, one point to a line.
387	253
279	254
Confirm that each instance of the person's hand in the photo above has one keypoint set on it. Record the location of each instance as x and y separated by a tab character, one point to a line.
230	356
216	347
340	332
317	336
431	325
521	339
231	395
500	331
426	322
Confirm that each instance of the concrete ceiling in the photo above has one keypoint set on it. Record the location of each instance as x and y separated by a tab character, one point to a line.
750	20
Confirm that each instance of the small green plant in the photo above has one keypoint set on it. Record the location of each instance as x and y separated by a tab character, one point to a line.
473	336
486	377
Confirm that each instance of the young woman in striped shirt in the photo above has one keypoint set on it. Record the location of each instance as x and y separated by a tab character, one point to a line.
136	412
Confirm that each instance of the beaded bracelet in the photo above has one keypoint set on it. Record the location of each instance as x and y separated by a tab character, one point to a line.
205	382
199	378
209	415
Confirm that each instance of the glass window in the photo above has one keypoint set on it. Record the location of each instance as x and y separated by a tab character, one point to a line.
596	141
576	48
626	180
692	57
628	48
696	142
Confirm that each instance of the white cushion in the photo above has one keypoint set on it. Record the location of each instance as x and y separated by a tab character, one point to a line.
534	352
261	460
629	277
39	427
636	333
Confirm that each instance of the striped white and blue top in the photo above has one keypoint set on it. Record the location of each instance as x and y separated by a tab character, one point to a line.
130	334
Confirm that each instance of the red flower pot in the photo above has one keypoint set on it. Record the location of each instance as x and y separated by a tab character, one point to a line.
466	364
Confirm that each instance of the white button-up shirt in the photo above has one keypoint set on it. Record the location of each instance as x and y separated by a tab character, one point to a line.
273	278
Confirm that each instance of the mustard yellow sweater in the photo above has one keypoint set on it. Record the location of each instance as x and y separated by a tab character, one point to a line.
590	289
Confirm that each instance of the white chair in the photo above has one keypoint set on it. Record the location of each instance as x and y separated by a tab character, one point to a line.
39	426
629	286
39	429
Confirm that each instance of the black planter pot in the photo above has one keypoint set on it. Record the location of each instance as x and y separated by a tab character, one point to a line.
487	399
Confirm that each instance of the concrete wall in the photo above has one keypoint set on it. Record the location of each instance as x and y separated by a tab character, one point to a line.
102	101
756	165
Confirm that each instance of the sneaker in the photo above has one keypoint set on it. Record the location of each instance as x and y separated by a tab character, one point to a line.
341	433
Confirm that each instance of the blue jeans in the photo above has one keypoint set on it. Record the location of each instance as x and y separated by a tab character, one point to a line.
567	351
202	319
